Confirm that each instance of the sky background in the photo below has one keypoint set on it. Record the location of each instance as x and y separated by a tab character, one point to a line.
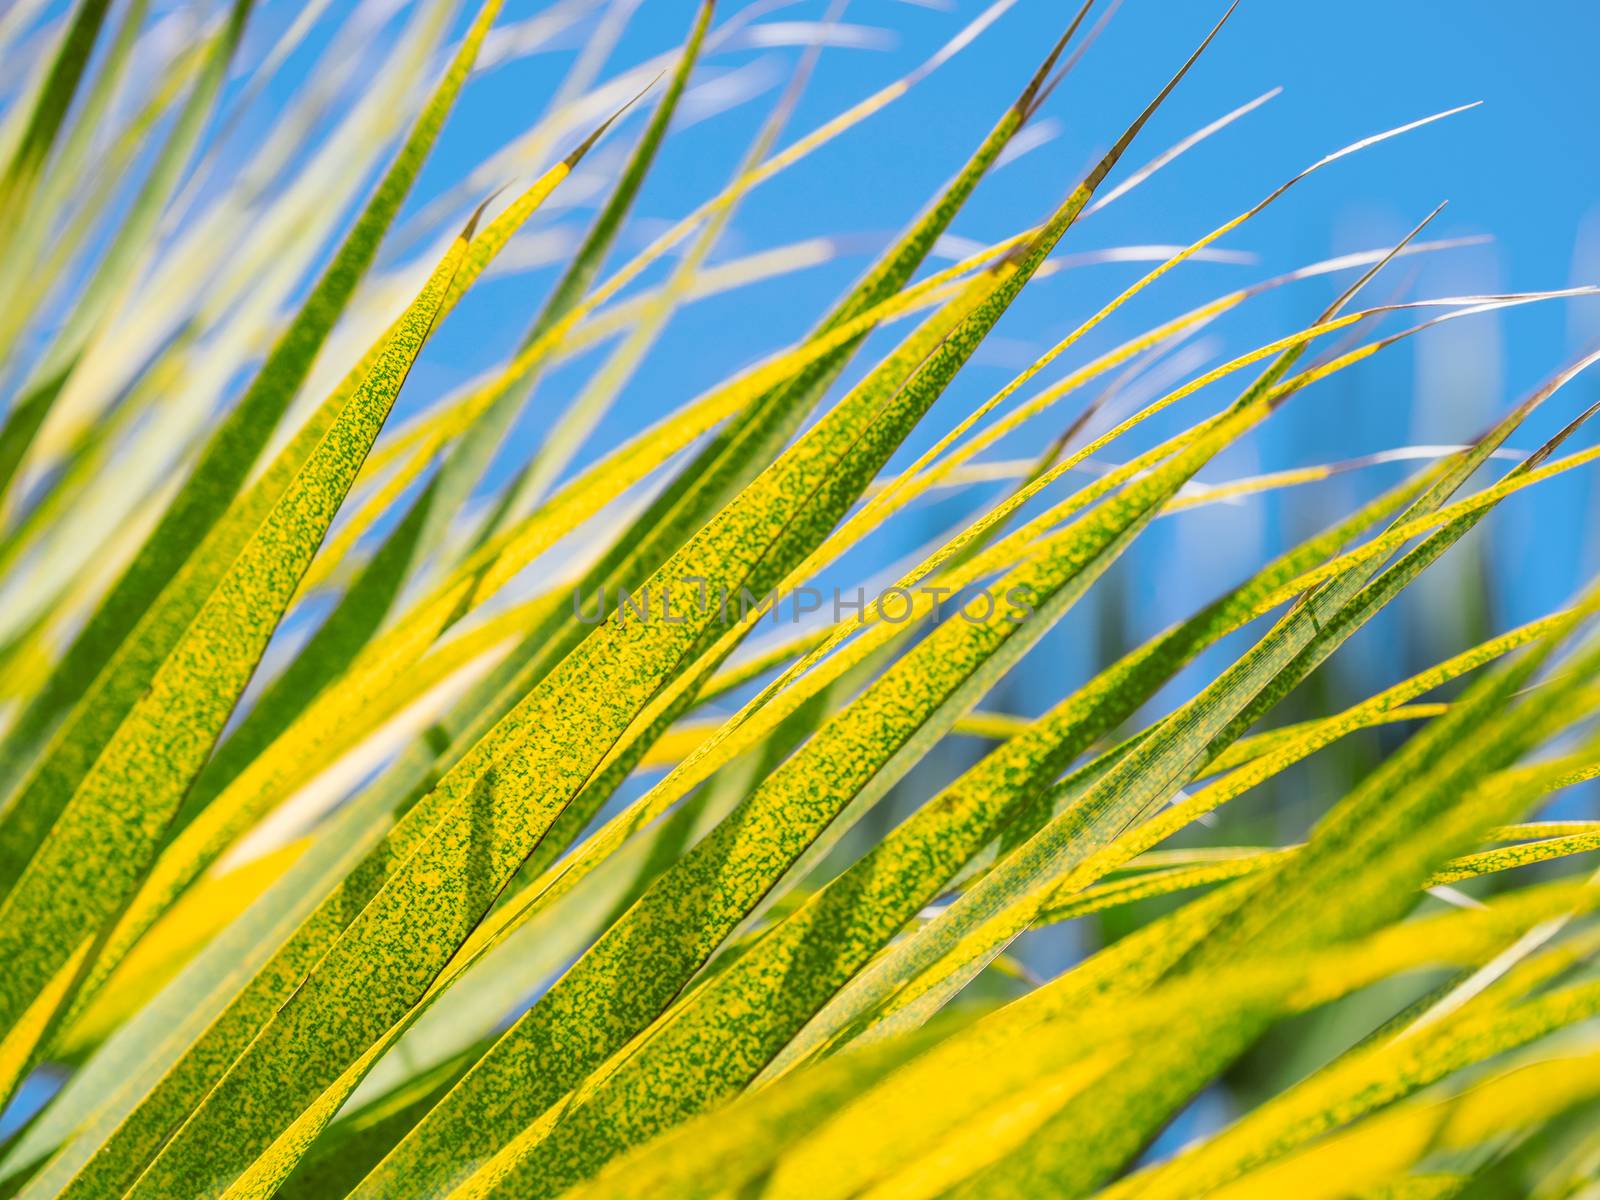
1520	170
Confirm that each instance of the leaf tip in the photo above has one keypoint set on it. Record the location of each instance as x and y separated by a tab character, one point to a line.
588	143
1041	85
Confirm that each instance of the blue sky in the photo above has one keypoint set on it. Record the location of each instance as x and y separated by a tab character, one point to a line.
1520	169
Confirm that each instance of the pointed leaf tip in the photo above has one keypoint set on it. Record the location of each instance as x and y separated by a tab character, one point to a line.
587	144
1367	276
470	229
1037	90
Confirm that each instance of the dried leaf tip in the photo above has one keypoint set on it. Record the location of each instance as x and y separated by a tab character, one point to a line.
587	144
1550	388
1076	56
1350	293
470	229
1103	168
1034	94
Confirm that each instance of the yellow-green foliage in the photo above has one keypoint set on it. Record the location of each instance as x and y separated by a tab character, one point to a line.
280	939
